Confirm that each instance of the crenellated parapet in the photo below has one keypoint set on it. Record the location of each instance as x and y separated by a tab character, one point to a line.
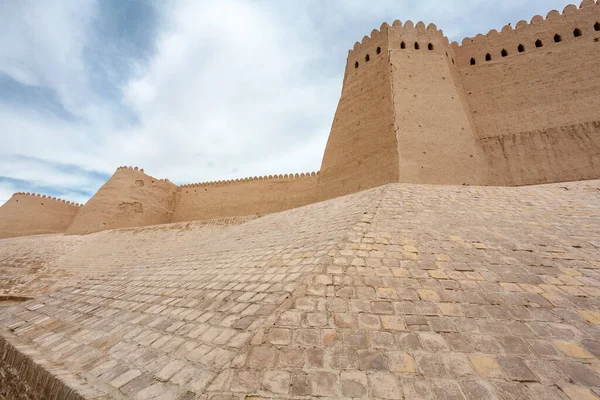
574	22
538	34
246	196
141	170
43	196
251	179
398	36
27	214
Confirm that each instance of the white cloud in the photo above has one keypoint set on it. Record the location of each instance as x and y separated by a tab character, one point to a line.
228	88
43	45
6	191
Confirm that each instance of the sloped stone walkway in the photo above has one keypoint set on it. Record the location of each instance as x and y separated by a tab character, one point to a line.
403	291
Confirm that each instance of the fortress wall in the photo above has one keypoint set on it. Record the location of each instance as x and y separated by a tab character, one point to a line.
129	198
244	197
436	142
560	154
536	112
361	149
27	214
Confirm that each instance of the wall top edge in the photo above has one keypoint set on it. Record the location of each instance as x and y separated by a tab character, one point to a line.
141	170
72	203
255	178
569	10
420	26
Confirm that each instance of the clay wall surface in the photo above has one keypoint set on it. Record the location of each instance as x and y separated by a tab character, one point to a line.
27	214
129	198
361	151
536	111
244	197
436	143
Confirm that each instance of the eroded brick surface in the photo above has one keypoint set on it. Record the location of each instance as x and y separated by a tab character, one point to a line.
402	291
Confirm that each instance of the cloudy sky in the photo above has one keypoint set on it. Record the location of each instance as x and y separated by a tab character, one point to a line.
190	90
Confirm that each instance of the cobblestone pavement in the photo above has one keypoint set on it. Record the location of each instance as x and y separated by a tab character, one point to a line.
43	263
403	291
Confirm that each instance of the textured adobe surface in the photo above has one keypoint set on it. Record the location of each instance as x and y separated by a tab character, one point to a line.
232	199
435	141
361	151
402	291
535	111
129	198
24	214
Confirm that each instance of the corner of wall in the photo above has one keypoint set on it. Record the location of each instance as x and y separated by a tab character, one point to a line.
130	198
27	214
361	148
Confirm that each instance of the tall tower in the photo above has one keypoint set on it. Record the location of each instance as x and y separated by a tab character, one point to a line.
401	116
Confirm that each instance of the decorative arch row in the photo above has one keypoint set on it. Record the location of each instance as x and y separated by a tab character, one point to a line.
416	46
538	43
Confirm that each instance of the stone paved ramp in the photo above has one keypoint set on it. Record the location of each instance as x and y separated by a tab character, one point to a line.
403	291
38	264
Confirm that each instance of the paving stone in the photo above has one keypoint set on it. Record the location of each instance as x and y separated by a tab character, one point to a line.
342	358
447	389
400	362
572	349
477	389
384	385
369	321
458	365
430	364
245	381
276	381
394	323
301	385
516	369
315	358
261	357
546	392
512	390
324	384
316	319
307	337
547	371
578	393
579	373
515	345
170	369
383	340
433	341
354	384
279	336
382	307
127	377
200	381
428	295
486	366
371	360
